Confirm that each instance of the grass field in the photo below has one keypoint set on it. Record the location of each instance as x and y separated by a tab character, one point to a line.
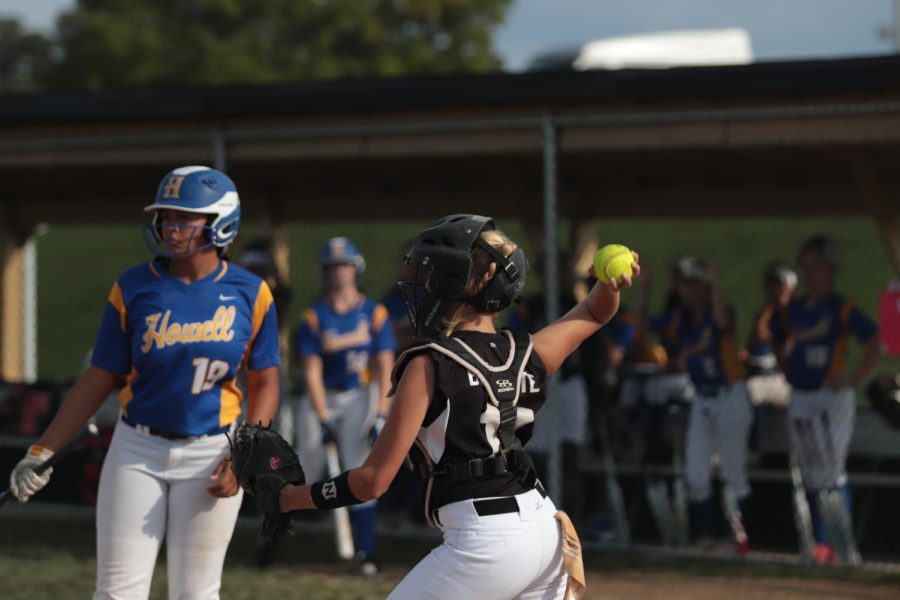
77	265
54	560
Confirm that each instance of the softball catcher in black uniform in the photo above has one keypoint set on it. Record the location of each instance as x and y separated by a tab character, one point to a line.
465	400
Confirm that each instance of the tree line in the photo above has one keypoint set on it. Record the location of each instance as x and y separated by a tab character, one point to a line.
102	45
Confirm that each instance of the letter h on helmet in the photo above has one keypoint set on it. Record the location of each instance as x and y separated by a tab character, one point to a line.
198	190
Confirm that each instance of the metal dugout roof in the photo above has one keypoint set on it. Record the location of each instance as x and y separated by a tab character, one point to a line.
794	138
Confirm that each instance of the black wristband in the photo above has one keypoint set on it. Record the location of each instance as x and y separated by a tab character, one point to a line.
333	493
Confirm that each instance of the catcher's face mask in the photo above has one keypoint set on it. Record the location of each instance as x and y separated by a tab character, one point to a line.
424	309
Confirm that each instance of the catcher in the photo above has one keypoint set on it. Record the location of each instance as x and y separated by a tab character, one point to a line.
465	399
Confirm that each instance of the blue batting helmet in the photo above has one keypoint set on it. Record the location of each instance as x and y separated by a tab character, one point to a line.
341	250
199	190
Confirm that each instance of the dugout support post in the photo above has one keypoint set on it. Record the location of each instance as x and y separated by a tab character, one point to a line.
17	296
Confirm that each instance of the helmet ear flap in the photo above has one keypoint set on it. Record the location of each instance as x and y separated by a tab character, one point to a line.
507	284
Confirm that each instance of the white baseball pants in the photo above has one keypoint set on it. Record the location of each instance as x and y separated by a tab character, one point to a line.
152	488
821	425
512	555
719	424
353	412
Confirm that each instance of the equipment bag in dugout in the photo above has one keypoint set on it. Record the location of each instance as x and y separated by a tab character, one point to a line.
263	463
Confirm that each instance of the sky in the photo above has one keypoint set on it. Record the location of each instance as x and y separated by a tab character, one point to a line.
779	29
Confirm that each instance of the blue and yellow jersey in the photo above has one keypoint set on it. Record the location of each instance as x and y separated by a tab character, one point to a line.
710	354
345	341
180	345
815	338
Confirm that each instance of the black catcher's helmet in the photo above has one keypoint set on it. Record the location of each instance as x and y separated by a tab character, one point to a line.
439	265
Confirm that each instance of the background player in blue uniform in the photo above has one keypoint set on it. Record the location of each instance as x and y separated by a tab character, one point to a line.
177	329
812	336
702	331
341	340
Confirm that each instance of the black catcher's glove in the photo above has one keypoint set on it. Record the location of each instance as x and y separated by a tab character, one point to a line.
263	463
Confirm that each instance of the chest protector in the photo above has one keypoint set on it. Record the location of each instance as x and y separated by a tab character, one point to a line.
502	385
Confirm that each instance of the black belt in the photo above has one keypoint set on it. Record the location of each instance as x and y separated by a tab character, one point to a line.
168	435
502	506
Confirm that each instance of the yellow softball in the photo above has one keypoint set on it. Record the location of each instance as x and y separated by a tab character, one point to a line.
612	262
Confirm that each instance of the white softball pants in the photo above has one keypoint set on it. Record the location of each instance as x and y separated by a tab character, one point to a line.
513	555
353	412
821	425
152	488
718	425
571	398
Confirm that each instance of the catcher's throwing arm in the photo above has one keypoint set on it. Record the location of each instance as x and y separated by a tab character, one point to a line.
343	533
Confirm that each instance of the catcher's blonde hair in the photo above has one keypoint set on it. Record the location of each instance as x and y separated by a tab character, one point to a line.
483	270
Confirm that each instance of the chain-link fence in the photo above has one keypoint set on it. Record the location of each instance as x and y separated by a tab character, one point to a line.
647	456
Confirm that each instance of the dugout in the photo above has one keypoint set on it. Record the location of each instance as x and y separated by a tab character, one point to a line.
788	139
792	138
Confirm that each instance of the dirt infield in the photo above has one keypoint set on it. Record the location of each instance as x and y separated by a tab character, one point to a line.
669	586
62	551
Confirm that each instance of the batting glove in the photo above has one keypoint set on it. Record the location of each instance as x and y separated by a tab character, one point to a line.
377	426
23	481
328	433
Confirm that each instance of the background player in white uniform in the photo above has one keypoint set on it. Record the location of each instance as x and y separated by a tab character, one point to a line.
339	341
702	330
813	332
177	329
467	402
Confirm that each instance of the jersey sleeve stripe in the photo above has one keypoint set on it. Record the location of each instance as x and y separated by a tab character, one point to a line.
229	402
126	394
118	302
261	306
312	319
379	316
839	353
731	362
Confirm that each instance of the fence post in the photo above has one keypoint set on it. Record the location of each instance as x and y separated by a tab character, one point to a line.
551	293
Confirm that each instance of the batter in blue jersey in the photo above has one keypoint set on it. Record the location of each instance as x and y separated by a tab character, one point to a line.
175	341
176	330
